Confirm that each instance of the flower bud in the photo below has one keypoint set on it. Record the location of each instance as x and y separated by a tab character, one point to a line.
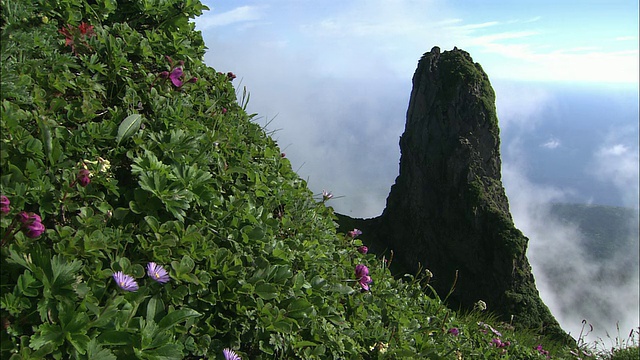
83	177
4	205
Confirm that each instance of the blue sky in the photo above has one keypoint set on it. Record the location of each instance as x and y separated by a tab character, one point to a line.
330	80
521	40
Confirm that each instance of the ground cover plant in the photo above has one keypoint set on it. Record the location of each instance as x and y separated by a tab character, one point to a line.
144	215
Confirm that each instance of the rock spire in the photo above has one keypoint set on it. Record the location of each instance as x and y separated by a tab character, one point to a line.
447	211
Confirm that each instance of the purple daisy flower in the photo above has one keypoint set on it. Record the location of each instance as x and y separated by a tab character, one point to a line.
157	273
230	355
125	282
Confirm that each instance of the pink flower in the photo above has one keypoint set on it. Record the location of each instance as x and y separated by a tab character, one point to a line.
83	177
231	76
4	205
175	76
23	217
364	282
454	331
34	229
224	110
361	270
354	233
499	343
363	249
31	224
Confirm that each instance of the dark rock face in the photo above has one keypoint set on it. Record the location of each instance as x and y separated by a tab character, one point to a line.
447	211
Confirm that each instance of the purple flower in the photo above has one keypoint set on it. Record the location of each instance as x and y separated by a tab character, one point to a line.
4	205
499	344
125	282
31	224
231	76
157	273
34	229
230	355
353	233
541	350
24	217
361	270
326	195
363	249
454	331
364	282
83	177
175	76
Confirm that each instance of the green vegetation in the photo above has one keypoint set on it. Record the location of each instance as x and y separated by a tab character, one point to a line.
462	74
120	147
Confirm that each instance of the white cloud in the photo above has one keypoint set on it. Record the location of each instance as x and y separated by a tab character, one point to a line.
626	38
572	283
618	164
519	105
551	143
240	14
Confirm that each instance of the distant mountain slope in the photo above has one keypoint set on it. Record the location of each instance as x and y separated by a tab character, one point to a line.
605	229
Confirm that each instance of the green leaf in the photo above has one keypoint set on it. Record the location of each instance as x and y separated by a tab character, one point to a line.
266	291
164	352
175	317
80	342
47	334
281	326
341	289
113	337
95	351
299	308
128	127
304	343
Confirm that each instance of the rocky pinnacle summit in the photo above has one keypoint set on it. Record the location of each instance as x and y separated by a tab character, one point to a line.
447	211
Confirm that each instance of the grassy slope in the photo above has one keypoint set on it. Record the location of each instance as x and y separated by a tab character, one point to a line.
192	184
